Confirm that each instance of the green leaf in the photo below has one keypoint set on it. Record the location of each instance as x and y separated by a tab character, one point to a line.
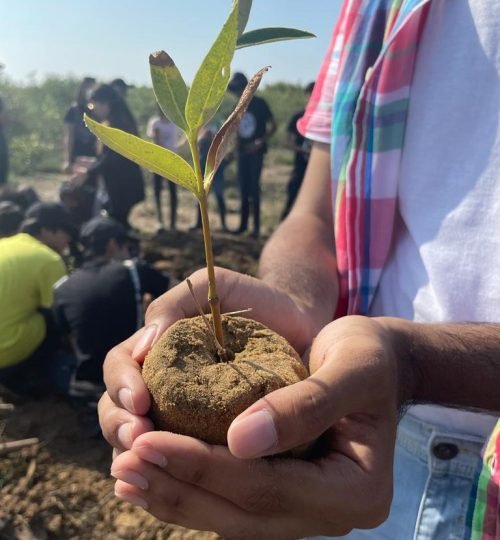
222	141
151	156
211	80
243	14
268	35
169	87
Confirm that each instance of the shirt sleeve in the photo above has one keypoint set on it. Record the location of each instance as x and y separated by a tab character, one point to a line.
316	124
51	273
150	129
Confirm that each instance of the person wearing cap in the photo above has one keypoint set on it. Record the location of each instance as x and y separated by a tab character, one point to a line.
102	302
255	129
30	265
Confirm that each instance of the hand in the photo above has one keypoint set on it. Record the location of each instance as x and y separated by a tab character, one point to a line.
351	399
123	406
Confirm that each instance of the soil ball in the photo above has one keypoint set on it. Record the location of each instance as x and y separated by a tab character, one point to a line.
195	393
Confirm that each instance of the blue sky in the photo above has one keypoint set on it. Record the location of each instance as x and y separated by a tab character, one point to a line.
111	38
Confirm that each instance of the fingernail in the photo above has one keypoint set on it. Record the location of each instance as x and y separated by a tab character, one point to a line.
150	454
254	435
132	499
145	341
131	477
124	435
125	397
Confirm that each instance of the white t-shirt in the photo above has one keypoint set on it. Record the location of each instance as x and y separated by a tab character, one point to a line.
445	262
168	132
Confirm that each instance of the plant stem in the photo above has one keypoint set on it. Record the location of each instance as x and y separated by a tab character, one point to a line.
213	298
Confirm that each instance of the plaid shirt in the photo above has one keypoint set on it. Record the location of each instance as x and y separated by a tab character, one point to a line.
360	106
486	517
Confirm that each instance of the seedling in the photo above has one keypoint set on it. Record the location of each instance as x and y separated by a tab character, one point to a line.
192	108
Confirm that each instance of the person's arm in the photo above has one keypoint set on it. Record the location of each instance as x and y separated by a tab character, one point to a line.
448	364
299	258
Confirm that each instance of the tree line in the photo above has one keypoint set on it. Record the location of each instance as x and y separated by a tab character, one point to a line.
35	112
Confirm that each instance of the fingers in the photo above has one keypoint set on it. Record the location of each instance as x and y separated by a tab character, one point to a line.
183	481
177	502
119	427
262	486
122	376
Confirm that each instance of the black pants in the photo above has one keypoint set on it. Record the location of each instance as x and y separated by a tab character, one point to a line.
293	188
158	188
249	171
35	374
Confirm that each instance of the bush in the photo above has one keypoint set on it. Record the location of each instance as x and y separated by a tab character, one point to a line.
36	114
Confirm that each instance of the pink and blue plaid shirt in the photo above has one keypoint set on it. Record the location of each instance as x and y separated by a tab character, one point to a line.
360	107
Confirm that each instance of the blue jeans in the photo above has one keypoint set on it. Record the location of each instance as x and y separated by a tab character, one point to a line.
435	474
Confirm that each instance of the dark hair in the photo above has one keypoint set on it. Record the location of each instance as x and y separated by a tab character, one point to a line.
238	83
22	196
309	88
81	98
11	217
119	114
96	234
47	215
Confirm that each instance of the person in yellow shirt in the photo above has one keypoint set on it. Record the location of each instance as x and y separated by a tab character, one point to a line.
30	265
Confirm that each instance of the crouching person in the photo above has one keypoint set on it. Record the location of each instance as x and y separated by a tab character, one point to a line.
101	303
30	265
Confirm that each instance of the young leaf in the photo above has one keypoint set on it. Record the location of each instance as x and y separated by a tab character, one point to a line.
211	80
169	87
243	14
268	35
151	156
220	144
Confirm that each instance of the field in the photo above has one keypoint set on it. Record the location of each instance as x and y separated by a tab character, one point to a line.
60	488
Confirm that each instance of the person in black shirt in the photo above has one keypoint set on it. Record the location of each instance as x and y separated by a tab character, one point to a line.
301	146
78	140
256	127
101	304
123	178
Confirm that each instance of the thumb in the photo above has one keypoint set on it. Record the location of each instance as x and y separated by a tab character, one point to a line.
292	416
351	373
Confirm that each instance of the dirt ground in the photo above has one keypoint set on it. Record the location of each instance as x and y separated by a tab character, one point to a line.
61	488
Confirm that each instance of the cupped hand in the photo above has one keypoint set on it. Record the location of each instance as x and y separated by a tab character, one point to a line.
123	407
350	400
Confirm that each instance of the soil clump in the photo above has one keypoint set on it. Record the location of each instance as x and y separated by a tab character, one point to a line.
195	393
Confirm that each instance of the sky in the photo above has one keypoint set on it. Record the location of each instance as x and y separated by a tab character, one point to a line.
113	38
